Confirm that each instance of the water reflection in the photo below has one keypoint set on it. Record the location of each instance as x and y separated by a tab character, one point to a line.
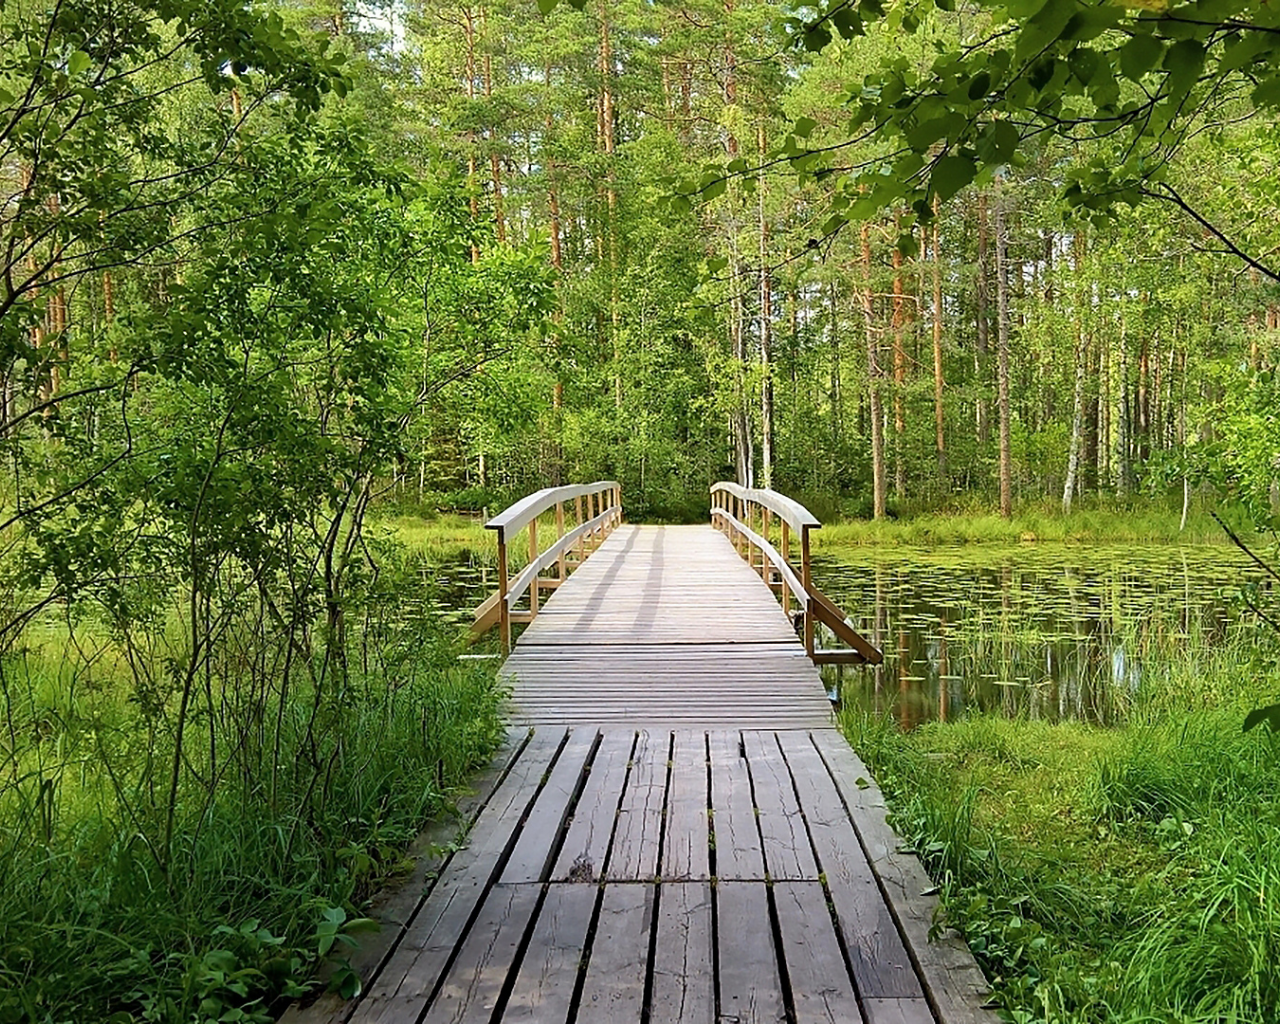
1049	633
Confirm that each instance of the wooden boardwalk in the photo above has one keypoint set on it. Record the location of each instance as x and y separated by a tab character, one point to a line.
676	834
664	625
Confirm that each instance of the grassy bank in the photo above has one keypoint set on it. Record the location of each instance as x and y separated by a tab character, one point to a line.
1143	525
133	891
450	533
1100	875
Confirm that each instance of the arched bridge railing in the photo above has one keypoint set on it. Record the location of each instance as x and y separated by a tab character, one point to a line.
752	518
596	510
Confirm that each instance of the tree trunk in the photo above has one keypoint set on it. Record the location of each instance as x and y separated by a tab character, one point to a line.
899	375
938	412
873	381
833	339
766	337
495	164
983	413
1002	357
469	32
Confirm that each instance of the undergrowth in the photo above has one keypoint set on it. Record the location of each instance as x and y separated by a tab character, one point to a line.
1099	875
283	826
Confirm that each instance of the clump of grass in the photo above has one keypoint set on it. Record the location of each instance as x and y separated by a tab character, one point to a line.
1100	875
313	809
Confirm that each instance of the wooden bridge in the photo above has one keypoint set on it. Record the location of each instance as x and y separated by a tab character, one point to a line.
676	831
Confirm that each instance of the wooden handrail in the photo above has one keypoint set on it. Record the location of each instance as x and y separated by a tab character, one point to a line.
789	511
596	517
737	510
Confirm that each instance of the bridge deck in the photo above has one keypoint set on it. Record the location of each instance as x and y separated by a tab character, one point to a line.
665	625
706	850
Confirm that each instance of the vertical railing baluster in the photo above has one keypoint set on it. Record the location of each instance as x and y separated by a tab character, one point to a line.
504	612
533	554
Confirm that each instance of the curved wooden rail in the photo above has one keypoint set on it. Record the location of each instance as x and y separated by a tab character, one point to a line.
745	515
597	509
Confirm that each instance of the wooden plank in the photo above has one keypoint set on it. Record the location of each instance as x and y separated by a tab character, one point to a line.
898	1011
533	850
613	990
821	989
787	853
952	980
683	981
586	843
879	960
638	833
750	985
395	909
685	851
474	982
411	973
738	853
543	989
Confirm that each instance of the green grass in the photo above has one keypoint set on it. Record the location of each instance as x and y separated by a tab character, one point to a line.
1115	875
1146	525
314	808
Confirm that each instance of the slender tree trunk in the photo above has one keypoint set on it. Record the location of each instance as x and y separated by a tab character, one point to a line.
939	418
1077	394
1124	440
469	33
1002	357
766	336
495	164
983	413
833	339
610	145
899	375
873	381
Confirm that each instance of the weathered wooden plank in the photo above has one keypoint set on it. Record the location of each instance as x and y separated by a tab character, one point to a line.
533	850
683	979
638	833
394	909
821	989
898	1011
586	843
880	962
685	851
952	980
543	989
750	985
470	991
787	853
613	990
738	853
410	975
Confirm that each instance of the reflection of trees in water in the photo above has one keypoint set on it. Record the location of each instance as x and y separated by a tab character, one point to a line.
1040	640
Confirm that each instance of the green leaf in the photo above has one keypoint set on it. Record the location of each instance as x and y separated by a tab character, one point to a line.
803	127
78	63
998	142
1269	714
950	174
1267	93
1183	62
980	85
816	37
1139	55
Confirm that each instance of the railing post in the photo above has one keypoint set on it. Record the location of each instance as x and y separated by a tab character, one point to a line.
561	568
577	508
804	582
504	612
533	554
766	522
786	557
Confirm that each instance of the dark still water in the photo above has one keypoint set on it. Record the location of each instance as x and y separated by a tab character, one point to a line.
1049	632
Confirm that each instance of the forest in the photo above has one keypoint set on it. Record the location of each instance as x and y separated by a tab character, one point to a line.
294	294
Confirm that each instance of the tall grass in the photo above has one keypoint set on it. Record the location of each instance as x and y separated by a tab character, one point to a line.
1127	874
283	824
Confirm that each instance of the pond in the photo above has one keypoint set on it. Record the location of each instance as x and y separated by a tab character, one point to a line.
1049	632
1044	631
